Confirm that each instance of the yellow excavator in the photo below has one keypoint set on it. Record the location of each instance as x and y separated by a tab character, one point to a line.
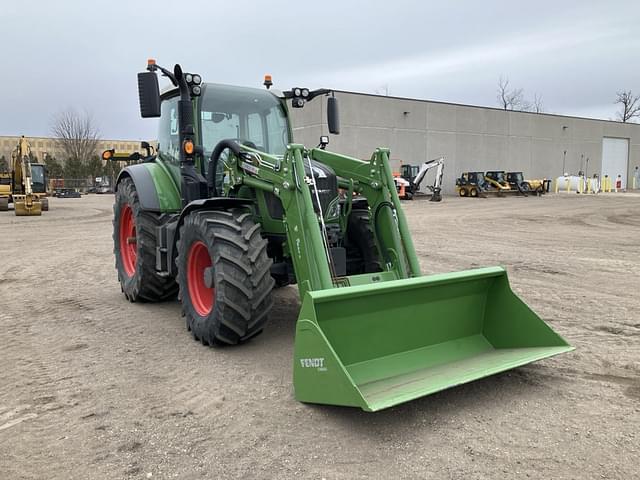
25	186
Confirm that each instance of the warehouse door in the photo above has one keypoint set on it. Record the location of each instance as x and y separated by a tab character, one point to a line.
615	158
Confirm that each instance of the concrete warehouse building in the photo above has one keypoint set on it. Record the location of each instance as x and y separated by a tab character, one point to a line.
474	138
41	147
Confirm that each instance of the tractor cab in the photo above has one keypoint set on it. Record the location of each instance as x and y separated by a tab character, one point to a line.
252	117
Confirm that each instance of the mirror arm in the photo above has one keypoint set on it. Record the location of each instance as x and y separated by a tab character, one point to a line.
153	67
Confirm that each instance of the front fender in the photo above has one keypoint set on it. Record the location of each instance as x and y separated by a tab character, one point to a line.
156	189
214	203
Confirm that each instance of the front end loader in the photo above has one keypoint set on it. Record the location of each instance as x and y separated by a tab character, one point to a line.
496	182
229	208
517	182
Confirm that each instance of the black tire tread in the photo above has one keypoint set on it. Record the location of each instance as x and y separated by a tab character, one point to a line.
241	275
146	285
361	236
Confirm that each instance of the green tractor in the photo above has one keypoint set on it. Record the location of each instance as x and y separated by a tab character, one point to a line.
229	208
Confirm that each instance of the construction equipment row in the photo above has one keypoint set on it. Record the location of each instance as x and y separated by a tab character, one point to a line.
500	183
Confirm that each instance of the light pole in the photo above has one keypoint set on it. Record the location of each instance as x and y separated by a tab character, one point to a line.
564	160
586	169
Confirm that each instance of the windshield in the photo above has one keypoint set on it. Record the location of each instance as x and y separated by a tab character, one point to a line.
37	174
37	178
251	116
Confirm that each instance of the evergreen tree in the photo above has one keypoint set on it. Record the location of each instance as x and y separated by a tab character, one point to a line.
93	167
54	168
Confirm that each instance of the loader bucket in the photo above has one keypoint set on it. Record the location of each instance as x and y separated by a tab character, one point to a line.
377	345
24	205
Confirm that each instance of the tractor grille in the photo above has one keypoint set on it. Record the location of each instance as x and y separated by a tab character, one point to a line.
327	184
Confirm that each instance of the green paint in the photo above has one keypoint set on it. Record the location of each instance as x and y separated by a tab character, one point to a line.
167	190
385	344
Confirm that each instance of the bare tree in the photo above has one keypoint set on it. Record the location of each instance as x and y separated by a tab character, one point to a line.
383	90
508	98
76	135
537	106
630	104
513	98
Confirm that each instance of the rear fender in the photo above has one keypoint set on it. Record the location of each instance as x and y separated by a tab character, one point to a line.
156	189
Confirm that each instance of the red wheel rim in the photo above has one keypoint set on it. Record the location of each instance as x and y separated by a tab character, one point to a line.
202	297
128	242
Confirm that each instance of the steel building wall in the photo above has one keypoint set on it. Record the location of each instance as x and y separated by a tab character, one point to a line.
470	138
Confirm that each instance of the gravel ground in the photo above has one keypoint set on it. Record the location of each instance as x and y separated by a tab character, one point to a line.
92	386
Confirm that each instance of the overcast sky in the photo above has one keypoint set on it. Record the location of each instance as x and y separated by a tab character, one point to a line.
85	54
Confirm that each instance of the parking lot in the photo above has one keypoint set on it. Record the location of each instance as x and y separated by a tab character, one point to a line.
92	386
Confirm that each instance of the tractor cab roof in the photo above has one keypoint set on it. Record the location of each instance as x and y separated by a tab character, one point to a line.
224	90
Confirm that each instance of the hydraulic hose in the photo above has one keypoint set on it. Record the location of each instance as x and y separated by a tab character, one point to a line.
213	162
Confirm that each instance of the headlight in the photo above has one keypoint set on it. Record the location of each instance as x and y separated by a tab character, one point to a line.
197	79
196	90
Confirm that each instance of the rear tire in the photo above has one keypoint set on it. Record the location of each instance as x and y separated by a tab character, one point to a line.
362	252
134	246
473	192
224	276
462	192
45	204
4	204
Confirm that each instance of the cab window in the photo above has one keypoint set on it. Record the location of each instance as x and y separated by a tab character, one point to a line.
255	131
168	133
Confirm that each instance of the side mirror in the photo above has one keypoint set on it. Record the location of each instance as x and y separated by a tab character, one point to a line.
149	94
333	115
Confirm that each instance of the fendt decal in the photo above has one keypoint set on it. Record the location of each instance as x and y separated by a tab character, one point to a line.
313	363
247	167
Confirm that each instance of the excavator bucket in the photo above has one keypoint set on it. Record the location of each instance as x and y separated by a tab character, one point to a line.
26	205
377	345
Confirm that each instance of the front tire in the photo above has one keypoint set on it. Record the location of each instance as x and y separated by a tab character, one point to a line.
134	246
362	252
224	276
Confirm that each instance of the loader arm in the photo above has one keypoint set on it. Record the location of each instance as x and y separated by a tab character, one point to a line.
285	178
